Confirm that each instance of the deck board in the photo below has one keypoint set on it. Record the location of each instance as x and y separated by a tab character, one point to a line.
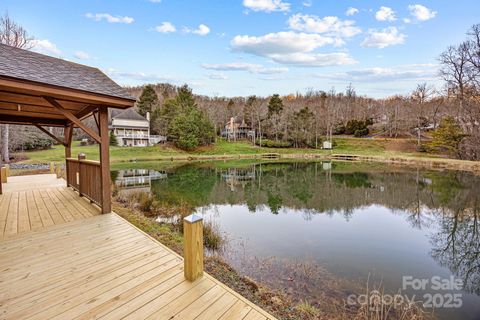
61	259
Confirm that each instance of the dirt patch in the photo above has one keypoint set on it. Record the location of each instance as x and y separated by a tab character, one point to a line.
401	145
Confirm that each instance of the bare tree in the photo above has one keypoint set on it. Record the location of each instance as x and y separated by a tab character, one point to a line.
454	70
460	69
420	97
14	35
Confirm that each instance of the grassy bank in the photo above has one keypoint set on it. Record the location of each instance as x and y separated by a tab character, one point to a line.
344	145
401	151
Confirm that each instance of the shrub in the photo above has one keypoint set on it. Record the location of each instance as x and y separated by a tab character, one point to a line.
422	148
212	238
339	129
274	144
361	132
358	128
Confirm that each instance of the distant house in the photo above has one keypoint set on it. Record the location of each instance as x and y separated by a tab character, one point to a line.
132	129
237	129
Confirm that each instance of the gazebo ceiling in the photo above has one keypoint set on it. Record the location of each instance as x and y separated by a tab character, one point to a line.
41	90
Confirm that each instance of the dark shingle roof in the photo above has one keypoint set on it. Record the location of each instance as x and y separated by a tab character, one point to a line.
32	66
129	114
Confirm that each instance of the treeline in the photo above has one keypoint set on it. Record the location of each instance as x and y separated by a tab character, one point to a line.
451	113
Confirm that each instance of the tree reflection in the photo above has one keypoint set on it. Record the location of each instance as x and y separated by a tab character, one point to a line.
456	244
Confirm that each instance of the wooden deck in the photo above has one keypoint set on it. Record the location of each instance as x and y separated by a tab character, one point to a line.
82	265
32	203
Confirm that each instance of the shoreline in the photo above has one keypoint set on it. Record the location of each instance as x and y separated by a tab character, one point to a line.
423	162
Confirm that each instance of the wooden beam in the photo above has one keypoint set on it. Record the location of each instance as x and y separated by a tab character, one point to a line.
35	100
44	89
16	113
95	117
74	119
68	133
4	118
105	161
10	106
86	112
49	134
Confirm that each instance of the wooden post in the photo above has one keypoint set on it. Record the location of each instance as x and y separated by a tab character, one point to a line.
7	169
58	171
80	157
68	132
193	247
4	174
104	160
1	181
52	167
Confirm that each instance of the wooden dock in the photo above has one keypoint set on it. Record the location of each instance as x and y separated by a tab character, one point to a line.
61	259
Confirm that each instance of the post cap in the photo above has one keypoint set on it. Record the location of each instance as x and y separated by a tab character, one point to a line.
193	218
82	156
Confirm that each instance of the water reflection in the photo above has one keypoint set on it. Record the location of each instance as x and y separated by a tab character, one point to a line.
136	179
349	218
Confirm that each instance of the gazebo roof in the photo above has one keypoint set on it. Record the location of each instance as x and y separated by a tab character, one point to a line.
35	87
32	66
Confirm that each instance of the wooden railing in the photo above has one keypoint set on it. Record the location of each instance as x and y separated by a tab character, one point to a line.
85	177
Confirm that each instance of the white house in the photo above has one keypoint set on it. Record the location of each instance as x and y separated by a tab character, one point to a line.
132	129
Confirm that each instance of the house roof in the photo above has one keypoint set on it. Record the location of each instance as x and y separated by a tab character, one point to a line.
31	66
129	114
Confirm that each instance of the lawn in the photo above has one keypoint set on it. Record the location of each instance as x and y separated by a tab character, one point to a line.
344	145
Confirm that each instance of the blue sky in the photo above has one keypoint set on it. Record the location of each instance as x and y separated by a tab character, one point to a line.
243	47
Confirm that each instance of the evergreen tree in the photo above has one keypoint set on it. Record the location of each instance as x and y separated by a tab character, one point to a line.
113	139
186	125
301	127
275	109
148	100
275	106
448	136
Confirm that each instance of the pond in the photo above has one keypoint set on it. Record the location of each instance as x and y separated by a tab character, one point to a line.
318	229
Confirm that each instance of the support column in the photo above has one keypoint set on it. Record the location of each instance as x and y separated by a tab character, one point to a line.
193	247
68	133
104	160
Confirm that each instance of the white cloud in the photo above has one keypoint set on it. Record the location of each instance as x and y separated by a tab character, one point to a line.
217	76
202	30
266	5
418	72
385	14
165	27
383	38
421	13
330	25
407	20
280	43
351	11
138	77
307	3
242	66
82	55
292	48
109	18
45	47
301	59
